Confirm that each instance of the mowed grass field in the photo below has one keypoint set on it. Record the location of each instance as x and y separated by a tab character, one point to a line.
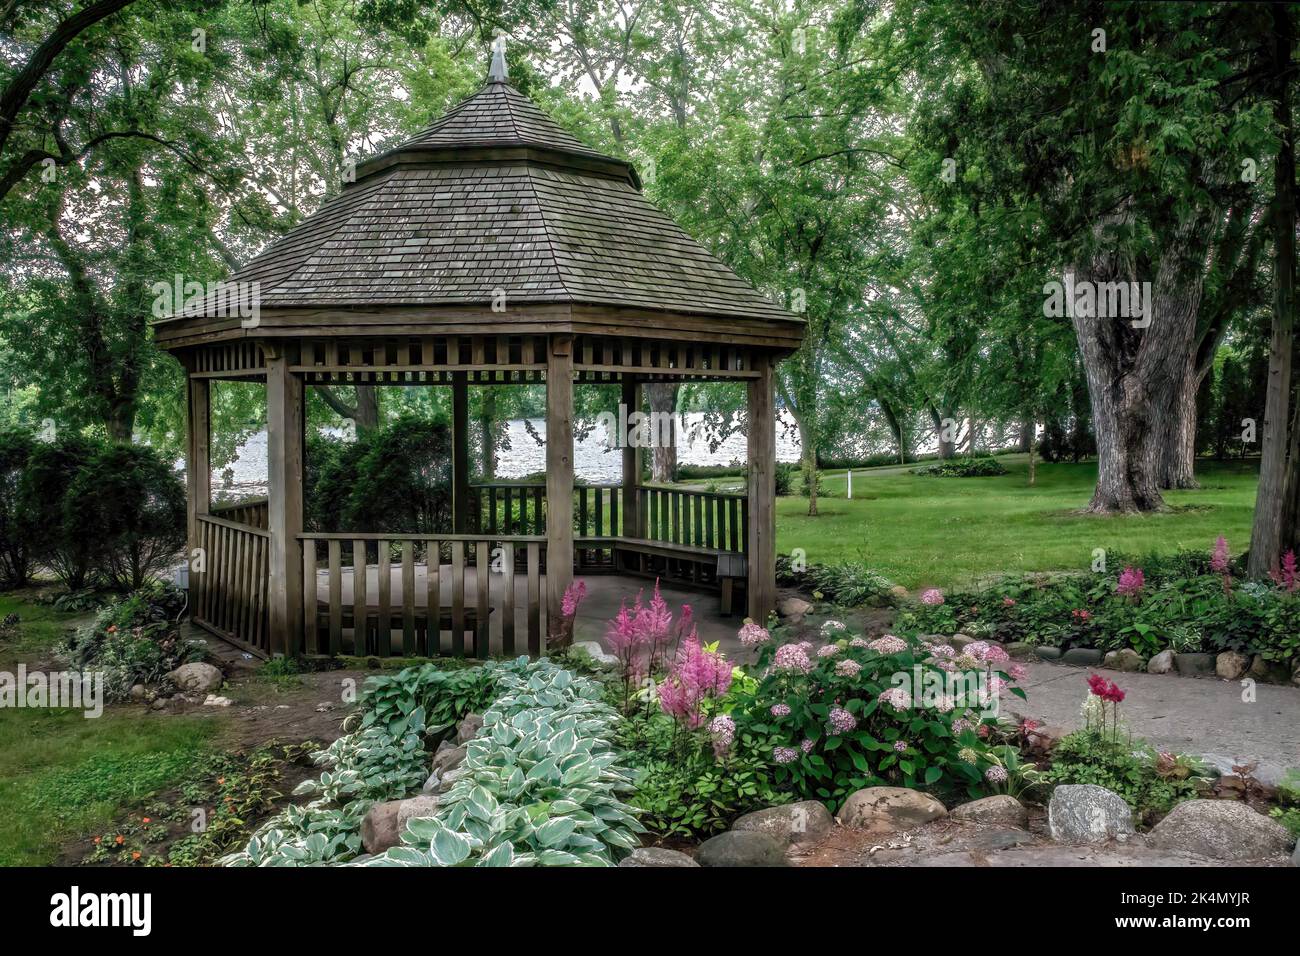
941	532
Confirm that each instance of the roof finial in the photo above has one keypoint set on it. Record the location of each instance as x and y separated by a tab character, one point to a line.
497	72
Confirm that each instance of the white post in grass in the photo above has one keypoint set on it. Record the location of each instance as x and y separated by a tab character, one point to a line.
850	474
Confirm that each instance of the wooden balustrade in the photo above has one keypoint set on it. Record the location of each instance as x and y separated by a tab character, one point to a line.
252	512
416	595
700	519
509	507
230	592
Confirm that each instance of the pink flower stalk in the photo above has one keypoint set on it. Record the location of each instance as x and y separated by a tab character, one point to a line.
1131	582
932	596
573	596
639	635
1219	560
1287	577
696	674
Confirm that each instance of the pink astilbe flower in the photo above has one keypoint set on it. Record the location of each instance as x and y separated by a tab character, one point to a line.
573	596
1131	582
1287	577
1219	559
695	675
932	596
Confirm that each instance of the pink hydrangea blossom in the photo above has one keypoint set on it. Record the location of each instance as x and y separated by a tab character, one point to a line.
932	596
792	657
897	698
859	642
1017	672
995	774
785	754
841	721
827	650
779	710
848	668
900	746
830	628
943	650
806	745
752	635
723	731
889	644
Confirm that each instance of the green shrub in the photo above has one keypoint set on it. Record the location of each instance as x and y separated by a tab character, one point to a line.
784	476
131	504
16	538
965	467
848	585
59	544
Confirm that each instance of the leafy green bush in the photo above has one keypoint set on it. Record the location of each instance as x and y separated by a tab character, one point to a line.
784	477
965	467
1150	782
1180	606
848	585
852	715
135	640
16	537
59	544
131	504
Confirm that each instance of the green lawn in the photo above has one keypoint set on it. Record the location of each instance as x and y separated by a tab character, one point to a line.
923	531
63	776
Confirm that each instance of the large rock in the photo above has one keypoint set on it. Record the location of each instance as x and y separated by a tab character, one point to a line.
1194	664
794	823
1231	665
1082	656
1042	739
468	728
793	608
656	856
197	678
379	830
741	848
1161	663
424	805
1087	813
1125	659
959	641
445	759
1268	672
1002	810
1021	651
596	652
886	809
1264	772
1045	653
1221	830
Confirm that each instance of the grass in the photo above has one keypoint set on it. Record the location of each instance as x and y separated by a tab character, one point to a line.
942	532
63	776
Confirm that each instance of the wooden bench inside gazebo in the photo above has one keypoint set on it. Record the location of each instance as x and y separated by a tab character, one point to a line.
492	248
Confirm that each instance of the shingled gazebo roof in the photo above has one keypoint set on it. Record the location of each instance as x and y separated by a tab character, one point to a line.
495	196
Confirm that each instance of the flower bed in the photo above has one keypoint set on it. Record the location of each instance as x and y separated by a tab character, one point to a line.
1193	601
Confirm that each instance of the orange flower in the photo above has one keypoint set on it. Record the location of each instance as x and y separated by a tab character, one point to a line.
147	820
119	839
99	840
221	781
135	855
112	629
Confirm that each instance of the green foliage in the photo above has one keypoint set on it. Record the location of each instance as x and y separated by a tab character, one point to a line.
1151	783
128	501
59	544
135	640
847	585
1181	607
982	467
784	476
16	538
539	785
395	478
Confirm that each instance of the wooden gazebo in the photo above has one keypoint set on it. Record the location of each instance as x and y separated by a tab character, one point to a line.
493	248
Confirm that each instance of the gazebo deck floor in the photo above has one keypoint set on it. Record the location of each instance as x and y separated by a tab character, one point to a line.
605	594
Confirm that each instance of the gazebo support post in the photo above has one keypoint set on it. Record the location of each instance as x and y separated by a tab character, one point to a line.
632	459
761	589
284	440
559	481
460	509
198	461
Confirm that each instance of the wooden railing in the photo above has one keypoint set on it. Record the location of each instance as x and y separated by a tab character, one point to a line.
420	596
230	593
701	519
509	507
252	512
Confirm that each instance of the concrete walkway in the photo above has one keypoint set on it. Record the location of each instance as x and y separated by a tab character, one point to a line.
1184	714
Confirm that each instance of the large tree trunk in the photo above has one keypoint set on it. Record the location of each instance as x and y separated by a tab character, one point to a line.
1266	533
947	443
1178	433
895	427
1025	443
367	412
662	398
